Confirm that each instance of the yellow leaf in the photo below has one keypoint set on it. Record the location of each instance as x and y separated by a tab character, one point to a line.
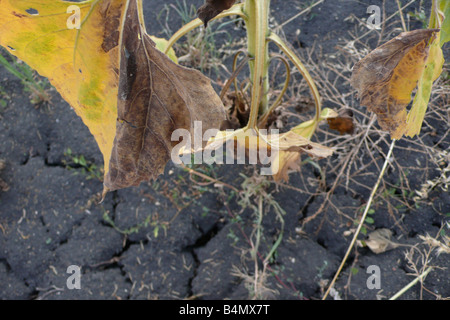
290	161
288	156
272	149
386	77
82	64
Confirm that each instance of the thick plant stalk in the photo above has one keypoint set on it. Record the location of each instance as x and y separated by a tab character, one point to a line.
257	12
263	120
256	16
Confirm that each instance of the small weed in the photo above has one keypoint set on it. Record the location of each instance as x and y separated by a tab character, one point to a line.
205	211
369	219
149	221
419	259
445	75
231	235
89	169
354	271
442	159
321	269
255	196
32	84
3	100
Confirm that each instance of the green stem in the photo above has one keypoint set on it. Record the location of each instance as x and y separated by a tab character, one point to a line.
434	17
263	120
257	12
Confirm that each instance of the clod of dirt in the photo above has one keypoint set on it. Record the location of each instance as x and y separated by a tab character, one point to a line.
3	185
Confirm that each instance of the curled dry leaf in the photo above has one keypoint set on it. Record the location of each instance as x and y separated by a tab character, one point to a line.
289	161
386	77
237	110
379	241
343	123
155	97
288	141
291	146
256	147
212	8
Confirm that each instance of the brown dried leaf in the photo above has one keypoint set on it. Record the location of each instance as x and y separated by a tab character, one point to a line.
291	146
156	97
379	241
289	161
277	149
237	111
387	76
343	123
212	8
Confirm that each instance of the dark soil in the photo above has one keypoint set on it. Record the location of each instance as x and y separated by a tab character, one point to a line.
179	238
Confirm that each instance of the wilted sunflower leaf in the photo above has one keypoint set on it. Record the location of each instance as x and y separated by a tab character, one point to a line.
155	97
292	145
289	161
257	147
386	77
343	122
